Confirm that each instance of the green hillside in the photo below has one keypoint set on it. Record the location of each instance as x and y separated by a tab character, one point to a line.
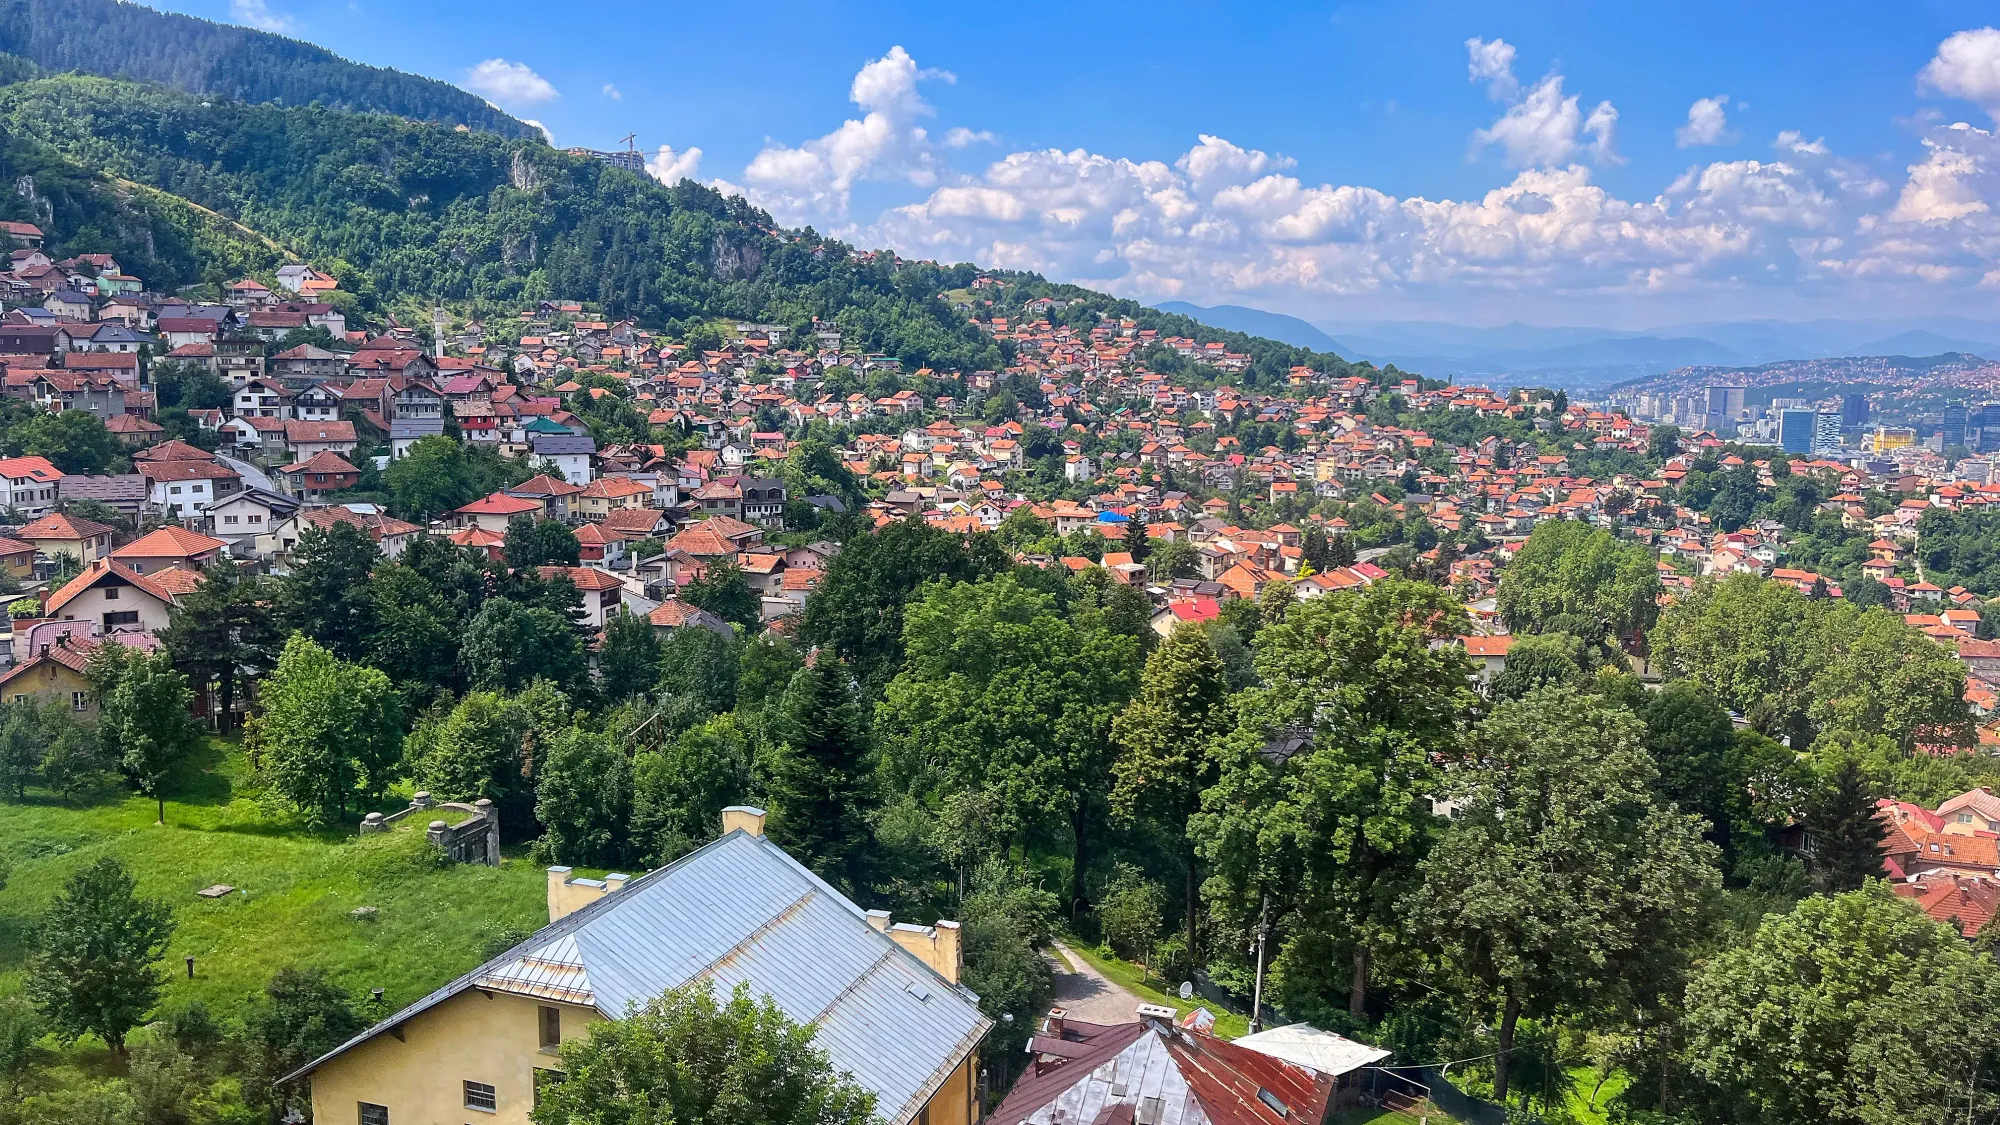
406	213
122	40
161	238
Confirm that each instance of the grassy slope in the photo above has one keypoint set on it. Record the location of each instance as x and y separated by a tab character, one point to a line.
431	924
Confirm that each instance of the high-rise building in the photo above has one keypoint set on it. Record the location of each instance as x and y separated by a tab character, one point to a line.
1953	431
1796	428
1826	433
1853	410
1725	408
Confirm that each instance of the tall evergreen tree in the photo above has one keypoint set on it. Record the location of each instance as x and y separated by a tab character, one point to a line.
629	658
1846	836
224	635
326	595
1136	542
820	789
1162	741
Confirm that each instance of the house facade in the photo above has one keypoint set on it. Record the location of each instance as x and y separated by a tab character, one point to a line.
885	997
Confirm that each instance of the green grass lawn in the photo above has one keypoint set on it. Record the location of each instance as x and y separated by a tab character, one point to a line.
295	889
1228	1025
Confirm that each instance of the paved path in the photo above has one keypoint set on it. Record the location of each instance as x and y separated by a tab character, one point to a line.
252	475
1086	993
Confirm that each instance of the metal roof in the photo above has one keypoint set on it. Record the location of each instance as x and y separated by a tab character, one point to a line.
740	910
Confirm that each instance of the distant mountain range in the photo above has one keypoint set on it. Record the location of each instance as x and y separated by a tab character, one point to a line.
1593	358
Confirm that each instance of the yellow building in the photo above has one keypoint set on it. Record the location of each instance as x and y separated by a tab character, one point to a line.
1886	438
884	997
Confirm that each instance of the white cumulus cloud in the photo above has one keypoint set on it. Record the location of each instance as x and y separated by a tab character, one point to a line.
1492	63
1542	127
958	136
1707	123
509	83
817	178
613	92
547	133
671	167
1967	66
258	14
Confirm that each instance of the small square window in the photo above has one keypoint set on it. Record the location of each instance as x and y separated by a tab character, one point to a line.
549	1027
480	1096
372	1114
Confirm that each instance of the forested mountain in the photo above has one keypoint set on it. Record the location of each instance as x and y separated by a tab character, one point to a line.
406	211
122	40
162	238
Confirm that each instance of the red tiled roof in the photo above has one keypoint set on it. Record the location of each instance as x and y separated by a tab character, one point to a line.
169	543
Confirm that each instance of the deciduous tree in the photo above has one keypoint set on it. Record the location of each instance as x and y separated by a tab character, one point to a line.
1831	1014
689	1059
1562	872
329	733
144	712
97	951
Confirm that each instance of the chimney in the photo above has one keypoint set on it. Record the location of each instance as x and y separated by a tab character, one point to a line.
878	920
937	946
567	895
615	881
1053	1026
745	817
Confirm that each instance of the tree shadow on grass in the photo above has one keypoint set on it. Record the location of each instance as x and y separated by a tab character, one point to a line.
201	779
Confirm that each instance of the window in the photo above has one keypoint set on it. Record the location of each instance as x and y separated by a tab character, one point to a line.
78	700
121	617
372	1114
229	519
111	593
174	490
549	1024
1965	818
255	518
479	1095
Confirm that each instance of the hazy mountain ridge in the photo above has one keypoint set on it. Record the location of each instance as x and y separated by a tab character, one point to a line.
1587	358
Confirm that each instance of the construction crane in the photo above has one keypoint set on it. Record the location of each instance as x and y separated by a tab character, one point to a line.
630	141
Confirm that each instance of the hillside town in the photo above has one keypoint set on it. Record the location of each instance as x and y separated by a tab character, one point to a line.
1195	491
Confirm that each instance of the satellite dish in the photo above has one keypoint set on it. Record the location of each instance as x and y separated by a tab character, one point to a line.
1187	990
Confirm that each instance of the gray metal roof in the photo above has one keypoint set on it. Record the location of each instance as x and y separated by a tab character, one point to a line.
740	910
558	445
406	428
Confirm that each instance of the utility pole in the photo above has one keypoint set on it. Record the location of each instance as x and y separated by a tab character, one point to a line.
1257	994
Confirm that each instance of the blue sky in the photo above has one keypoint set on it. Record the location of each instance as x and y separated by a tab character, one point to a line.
1647	163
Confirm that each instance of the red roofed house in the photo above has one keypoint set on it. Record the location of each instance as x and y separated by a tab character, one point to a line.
55	534
1155	1073
116	596
493	512
320	474
56	654
1192	611
1489	654
187	487
169	546
28	484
